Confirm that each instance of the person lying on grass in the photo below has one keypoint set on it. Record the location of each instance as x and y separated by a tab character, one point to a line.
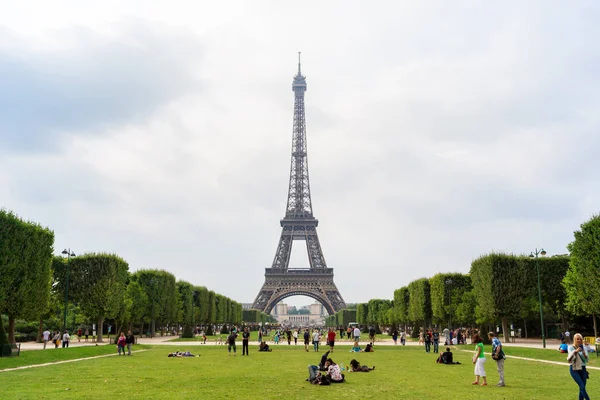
356	367
324	358
181	354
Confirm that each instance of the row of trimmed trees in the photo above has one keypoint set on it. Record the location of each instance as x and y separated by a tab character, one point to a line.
501	289
35	285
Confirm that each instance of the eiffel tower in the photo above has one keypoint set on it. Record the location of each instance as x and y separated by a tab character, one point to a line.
299	224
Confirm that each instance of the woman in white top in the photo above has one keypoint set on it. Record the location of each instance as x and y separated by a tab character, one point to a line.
578	358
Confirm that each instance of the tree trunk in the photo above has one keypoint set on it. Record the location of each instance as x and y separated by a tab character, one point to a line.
99	330
11	329
505	330
525	327
595	330
40	330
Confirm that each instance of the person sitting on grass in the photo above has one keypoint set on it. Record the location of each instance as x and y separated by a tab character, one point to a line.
333	371
356	367
356	348
263	346
563	348
446	357
369	348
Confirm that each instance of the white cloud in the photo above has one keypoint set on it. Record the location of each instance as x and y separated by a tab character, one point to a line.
436	133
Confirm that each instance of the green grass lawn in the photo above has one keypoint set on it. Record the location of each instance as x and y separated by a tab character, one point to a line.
406	372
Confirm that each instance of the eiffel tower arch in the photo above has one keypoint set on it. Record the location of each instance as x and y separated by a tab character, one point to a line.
299	224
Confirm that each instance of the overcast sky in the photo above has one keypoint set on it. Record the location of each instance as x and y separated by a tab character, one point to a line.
437	131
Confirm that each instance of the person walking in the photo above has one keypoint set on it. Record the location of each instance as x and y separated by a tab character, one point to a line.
331	339
479	361
46	337
295	337
578	359
356	334
316	337
66	339
121	343
56	339
427	342
403	338
306	339
231	343
498	356
395	336
130	341
87	334
436	340
372	334
245	340
288	334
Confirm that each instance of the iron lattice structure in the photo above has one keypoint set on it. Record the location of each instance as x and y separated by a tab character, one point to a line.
299	224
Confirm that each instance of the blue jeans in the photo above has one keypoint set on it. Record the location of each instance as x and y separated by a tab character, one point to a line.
316	345
436	345
579	376
313	370
427	346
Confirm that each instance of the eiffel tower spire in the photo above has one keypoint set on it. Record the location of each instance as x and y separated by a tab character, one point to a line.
299	203
299	224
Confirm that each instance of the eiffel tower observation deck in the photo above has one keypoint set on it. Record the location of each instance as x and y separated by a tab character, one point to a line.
299	223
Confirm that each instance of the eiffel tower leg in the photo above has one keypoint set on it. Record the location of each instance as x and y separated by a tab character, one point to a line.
313	247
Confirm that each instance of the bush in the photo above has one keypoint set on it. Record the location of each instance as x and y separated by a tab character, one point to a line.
25	337
25	327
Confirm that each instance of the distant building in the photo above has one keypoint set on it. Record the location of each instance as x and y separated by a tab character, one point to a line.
315	318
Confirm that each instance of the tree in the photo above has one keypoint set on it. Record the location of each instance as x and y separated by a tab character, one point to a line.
362	313
419	304
25	257
582	280
401	300
97	283
186	300
136	301
446	295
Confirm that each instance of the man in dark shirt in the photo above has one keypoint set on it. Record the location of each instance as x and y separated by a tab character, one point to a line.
130	340
245	339
436	340
306	339
231	343
372	334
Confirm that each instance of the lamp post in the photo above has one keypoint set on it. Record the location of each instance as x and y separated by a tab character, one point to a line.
535	254
69	254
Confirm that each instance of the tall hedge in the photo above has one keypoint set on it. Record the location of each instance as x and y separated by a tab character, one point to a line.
97	283
401	301
419	304
25	261
446	295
